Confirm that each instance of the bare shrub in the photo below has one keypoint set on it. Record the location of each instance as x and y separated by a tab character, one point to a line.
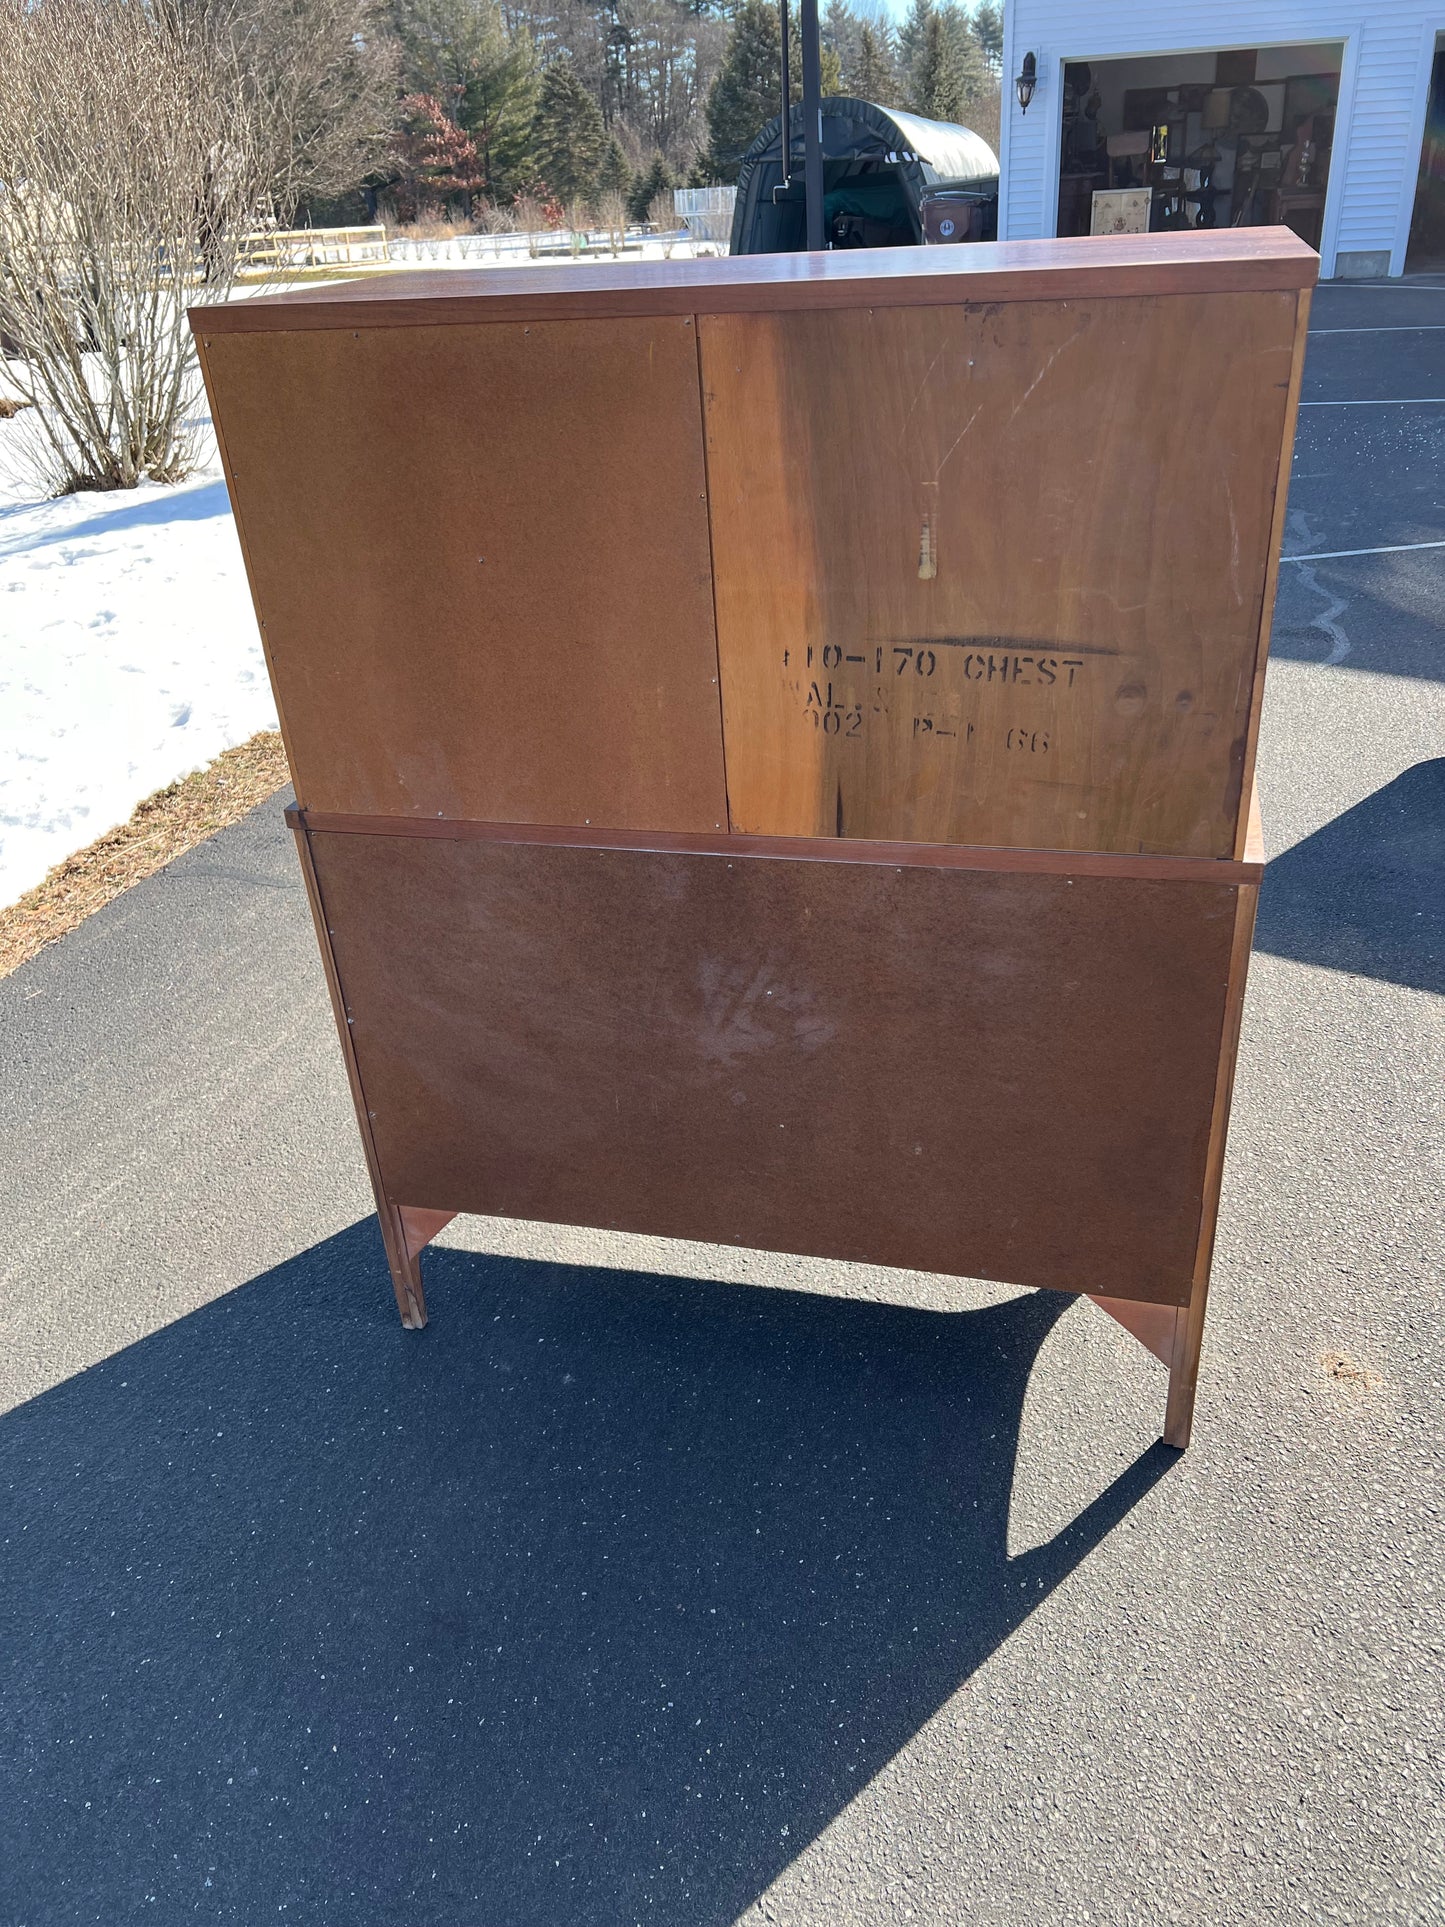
612	215
531	221
128	173
579	225
663	215
495	222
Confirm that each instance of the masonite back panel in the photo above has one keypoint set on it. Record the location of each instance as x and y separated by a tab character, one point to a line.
480	558
994	574
990	1073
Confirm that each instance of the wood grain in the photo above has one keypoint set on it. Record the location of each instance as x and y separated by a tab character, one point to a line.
1189	1332
480	560
1155	1326
1242	259
1276	544
1003	1076
401	1260
995	577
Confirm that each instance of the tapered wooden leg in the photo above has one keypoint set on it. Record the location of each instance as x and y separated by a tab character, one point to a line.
405	1266
1184	1373
404	1230
1189	1332
1172	1333
411	1230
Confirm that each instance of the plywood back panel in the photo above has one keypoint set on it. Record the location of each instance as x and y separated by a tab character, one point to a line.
971	1071
995	573
480	558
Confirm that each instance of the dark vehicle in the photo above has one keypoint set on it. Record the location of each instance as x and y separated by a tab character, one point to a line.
880	170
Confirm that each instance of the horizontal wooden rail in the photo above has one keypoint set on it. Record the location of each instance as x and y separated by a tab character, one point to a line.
1239	260
796	849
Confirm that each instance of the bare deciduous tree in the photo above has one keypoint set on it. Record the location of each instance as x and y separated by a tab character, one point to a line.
320	78
129	169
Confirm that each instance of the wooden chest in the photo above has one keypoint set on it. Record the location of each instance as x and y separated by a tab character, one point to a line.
773	738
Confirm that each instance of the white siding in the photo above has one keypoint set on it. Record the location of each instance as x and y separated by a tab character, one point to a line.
1382	97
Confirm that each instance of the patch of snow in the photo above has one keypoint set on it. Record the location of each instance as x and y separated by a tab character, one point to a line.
128	656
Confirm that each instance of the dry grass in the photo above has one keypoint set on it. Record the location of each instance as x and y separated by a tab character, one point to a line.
175	819
11	405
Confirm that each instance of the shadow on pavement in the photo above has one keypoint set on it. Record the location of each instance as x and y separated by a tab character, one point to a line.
591	1604
1365	893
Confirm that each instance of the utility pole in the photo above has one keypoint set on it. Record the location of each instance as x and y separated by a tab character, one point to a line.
812	123
787	100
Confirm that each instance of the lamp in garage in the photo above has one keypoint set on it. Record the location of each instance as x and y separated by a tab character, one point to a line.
1026	81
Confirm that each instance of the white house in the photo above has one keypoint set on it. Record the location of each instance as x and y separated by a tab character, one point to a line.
1326	114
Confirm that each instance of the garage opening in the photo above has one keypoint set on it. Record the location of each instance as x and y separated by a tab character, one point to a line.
1239	137
1426	251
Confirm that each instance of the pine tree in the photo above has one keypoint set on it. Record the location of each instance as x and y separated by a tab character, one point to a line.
747	93
911	33
614	176
459	52
569	142
830	71
970	70
946	70
649	183
876	75
988	32
935	89
436	160
842	29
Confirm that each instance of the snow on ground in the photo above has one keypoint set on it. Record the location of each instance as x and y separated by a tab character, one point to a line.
128	656
128	649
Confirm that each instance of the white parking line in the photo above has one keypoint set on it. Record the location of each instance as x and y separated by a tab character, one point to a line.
1389	401
1394	328
1334	555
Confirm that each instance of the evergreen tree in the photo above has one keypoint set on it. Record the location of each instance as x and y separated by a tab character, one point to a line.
569	142
614	176
436	161
944	69
650	182
747	93
910	37
841	30
970	69
934	89
876	76
830	72
988	32
459	52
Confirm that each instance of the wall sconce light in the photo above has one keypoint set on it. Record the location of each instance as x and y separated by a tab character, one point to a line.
1028	79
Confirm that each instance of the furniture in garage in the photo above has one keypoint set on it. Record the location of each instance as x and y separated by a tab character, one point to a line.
774	738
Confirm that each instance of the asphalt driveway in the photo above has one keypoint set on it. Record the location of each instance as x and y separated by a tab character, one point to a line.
627	1594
